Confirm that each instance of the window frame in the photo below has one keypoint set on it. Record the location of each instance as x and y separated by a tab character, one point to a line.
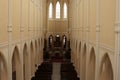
59	7
50	15
65	6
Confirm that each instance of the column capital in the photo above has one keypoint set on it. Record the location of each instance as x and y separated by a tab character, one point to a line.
29	28
87	28
117	27
21	29
98	28
9	28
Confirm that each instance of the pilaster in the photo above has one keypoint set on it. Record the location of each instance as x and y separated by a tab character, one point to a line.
29	38
34	29
9	39
87	37
117	52
97	39
97	64
82	30
117	40
21	40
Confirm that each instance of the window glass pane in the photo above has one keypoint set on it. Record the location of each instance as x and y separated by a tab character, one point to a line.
65	10
58	10
50	10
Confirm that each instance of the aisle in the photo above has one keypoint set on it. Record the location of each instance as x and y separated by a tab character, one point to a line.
56	71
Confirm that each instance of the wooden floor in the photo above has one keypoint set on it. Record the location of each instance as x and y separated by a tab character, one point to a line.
55	71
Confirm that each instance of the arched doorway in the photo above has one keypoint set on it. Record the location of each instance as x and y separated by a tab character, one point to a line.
16	71
91	68
106	71
3	68
25	63
32	59
84	63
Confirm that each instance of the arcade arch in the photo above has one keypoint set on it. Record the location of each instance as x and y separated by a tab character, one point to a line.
84	62
32	59
91	64
106	71
79	57
25	63
39	52
3	68
36	54
16	71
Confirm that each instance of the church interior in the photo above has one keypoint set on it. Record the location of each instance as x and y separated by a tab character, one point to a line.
59	39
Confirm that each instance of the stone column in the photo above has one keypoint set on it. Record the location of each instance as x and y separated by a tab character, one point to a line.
34	36
29	41
41	2
117	40
82	30
77	37
87	37
97	39
9	39
21	40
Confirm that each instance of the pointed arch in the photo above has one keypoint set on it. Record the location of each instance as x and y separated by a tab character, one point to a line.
39	42
32	59
65	10
3	68
106	70
25	62
78	56
58	10
76	45
84	62
80	47
39	53
91	68
50	10
36	53
16	71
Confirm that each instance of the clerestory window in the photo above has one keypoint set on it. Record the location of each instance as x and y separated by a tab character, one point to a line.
57	10
65	11
50	10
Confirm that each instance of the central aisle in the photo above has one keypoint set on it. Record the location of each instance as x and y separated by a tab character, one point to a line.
56	71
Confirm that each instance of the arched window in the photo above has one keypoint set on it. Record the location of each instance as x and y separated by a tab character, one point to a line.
50	10
57	9
65	11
